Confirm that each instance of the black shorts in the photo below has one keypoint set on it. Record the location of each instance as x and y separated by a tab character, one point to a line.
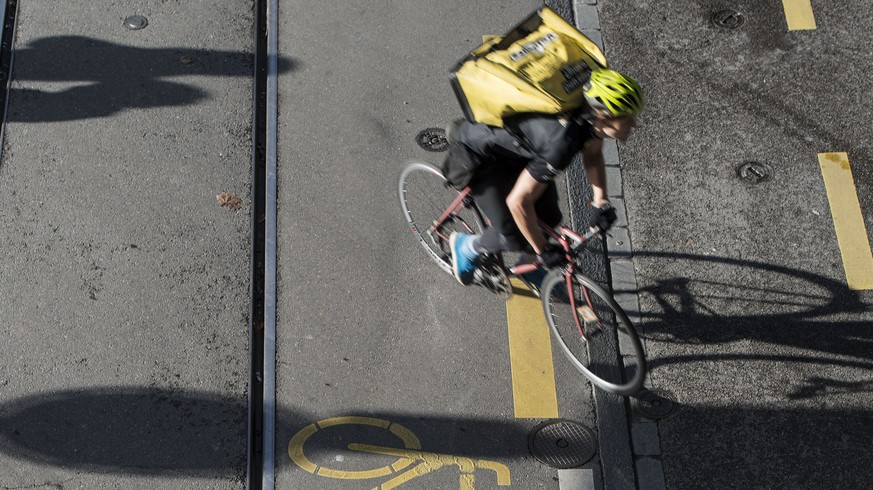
503	235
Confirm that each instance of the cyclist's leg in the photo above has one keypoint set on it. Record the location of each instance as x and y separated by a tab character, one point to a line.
547	206
502	234
490	191
549	212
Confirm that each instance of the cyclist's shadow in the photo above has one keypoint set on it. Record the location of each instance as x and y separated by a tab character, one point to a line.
65	78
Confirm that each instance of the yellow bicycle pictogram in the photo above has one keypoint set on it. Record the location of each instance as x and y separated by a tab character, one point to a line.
411	463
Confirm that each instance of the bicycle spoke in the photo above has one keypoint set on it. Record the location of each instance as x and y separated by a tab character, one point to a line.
587	325
425	197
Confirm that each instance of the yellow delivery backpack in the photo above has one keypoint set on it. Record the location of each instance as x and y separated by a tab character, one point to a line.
539	66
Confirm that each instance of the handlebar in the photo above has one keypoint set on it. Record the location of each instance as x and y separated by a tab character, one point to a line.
588	235
583	242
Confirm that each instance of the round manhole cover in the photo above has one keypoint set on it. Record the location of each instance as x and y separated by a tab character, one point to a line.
433	139
728	19
562	444
754	172
654	404
135	22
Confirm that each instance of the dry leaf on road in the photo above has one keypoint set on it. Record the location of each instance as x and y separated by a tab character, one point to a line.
229	200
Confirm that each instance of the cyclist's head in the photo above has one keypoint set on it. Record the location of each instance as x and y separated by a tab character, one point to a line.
614	93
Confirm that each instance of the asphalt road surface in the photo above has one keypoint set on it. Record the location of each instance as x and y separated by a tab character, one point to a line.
743	290
125	282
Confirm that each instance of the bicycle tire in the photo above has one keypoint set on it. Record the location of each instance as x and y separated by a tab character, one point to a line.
424	196
613	323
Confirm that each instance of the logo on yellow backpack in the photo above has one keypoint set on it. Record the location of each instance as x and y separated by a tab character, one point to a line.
538	46
540	66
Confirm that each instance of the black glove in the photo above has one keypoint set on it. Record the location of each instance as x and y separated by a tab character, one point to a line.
553	255
602	217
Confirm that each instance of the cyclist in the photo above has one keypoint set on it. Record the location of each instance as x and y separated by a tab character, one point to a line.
514	185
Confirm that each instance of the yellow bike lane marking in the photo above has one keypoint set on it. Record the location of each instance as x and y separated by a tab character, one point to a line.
848	220
534	393
799	14
409	455
430	462
295	447
530	354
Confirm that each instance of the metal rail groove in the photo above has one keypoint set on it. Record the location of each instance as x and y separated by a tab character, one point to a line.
262	310
8	10
269	396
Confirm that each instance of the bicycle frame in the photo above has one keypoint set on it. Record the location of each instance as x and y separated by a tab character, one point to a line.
562	235
462	200
592	306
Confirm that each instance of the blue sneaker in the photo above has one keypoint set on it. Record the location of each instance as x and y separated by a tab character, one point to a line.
464	261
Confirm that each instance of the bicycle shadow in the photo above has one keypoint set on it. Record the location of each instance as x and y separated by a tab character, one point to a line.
772	367
756	301
64	78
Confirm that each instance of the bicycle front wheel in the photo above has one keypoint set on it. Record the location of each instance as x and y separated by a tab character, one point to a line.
587	322
425	197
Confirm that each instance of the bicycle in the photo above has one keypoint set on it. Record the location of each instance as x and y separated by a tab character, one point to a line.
581	322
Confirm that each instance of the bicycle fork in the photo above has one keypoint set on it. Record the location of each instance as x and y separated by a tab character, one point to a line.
584	311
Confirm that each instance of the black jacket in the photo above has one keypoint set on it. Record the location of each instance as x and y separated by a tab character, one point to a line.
544	144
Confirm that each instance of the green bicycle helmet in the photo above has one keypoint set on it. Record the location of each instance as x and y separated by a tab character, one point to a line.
611	91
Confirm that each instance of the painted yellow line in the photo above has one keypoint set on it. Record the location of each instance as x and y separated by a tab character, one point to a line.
799	14
848	220
530	354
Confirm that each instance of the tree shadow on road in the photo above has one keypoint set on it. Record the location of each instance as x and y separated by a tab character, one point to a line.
128	430
173	433
66	78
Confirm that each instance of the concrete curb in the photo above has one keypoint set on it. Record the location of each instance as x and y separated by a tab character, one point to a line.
645	441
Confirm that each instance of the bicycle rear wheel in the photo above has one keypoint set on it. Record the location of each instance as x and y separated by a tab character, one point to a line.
592	350
425	196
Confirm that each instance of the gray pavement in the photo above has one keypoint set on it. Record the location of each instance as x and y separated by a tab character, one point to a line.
367	326
743	296
124	315
124	312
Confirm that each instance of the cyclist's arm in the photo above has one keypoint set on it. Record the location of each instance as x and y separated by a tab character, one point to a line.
595	168
521	202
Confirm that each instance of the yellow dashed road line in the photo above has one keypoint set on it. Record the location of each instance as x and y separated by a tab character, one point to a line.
848	220
799	14
530	353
